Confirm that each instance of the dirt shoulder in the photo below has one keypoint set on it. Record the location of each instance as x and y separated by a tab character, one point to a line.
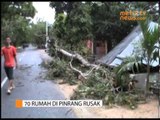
147	110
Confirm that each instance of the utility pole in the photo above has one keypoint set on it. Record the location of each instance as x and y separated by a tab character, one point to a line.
47	37
158	82
46	31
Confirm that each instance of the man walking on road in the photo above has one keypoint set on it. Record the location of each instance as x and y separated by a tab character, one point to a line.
9	53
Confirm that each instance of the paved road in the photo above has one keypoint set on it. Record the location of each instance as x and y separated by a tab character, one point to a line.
30	85
2	70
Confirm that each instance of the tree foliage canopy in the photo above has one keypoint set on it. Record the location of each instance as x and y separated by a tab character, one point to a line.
15	20
91	20
97	20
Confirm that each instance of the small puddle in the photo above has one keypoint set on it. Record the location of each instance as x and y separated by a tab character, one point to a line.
24	67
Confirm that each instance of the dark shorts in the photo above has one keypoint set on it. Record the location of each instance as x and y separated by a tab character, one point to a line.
9	72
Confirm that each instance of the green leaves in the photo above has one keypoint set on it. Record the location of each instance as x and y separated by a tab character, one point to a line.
99	85
39	33
151	36
90	20
15	21
128	64
106	22
11	9
74	27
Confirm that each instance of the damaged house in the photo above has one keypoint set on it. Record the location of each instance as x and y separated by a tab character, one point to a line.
126	48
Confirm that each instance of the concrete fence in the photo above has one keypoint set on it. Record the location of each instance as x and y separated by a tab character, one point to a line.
141	78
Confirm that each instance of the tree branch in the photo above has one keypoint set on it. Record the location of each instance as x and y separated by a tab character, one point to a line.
77	56
80	72
84	75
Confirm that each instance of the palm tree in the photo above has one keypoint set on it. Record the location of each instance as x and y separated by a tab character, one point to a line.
150	38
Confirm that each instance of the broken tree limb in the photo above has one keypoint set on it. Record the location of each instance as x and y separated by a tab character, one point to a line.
84	75
77	56
66	53
80	72
96	67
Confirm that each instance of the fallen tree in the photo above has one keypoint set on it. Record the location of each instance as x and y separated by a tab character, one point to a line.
75	56
98	82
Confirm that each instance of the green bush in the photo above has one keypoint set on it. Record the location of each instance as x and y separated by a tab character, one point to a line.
57	68
60	69
99	85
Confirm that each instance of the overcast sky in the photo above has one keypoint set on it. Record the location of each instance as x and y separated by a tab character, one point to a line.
44	12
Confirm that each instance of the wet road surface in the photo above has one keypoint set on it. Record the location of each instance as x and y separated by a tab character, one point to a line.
31	85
